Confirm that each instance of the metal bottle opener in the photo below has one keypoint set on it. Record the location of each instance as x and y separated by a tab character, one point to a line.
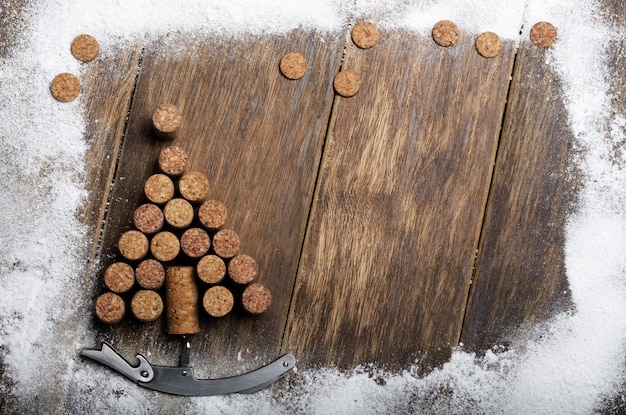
181	380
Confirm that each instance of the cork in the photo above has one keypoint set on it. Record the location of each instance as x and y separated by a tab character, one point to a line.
119	277
148	218
133	245
543	34
172	160
65	87
159	188
194	186
146	305
242	269
165	246
489	45
178	213
166	120
181	299
150	274
195	242
365	35
211	269
226	243
110	308
84	47
256	298
218	301
445	33
347	83
212	214
293	65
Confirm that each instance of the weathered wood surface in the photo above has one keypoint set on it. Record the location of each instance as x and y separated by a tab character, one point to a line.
391	241
520	274
258	136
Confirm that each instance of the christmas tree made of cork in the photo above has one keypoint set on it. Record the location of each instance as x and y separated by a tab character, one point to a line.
179	247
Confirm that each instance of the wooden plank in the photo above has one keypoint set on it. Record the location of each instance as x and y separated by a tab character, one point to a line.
13	24
258	136
391	241
520	275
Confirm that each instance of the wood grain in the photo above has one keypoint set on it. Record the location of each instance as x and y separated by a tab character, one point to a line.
520	274
258	136
391	241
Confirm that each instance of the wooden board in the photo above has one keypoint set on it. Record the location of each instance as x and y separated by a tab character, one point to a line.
390	246
258	136
520	275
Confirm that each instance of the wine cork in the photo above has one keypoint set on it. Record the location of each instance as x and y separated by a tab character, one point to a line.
159	188
226	243
242	269
195	242
119	277
256	298
84	48
181	299
543	34
172	161
148	218
293	65
211	269
150	274
488	44
347	83
194	186
65	87
146	305
110	308
165	246
166	120
178	213
212	214
218	301
445	33
365	35
133	245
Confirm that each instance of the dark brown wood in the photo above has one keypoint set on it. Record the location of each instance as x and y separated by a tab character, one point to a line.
388	257
258	136
520	275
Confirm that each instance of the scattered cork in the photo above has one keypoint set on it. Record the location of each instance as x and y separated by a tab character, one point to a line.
148	218
194	186
110	308
293	65
165	246
445	33
212	214
365	35
211	269
226	243
181	299
543	34
159	188
133	245
256	298
84	47
347	83
150	274
166	120
119	277
172	161
146	305
178	213
242	269
218	301
489	45
65	87
195	242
